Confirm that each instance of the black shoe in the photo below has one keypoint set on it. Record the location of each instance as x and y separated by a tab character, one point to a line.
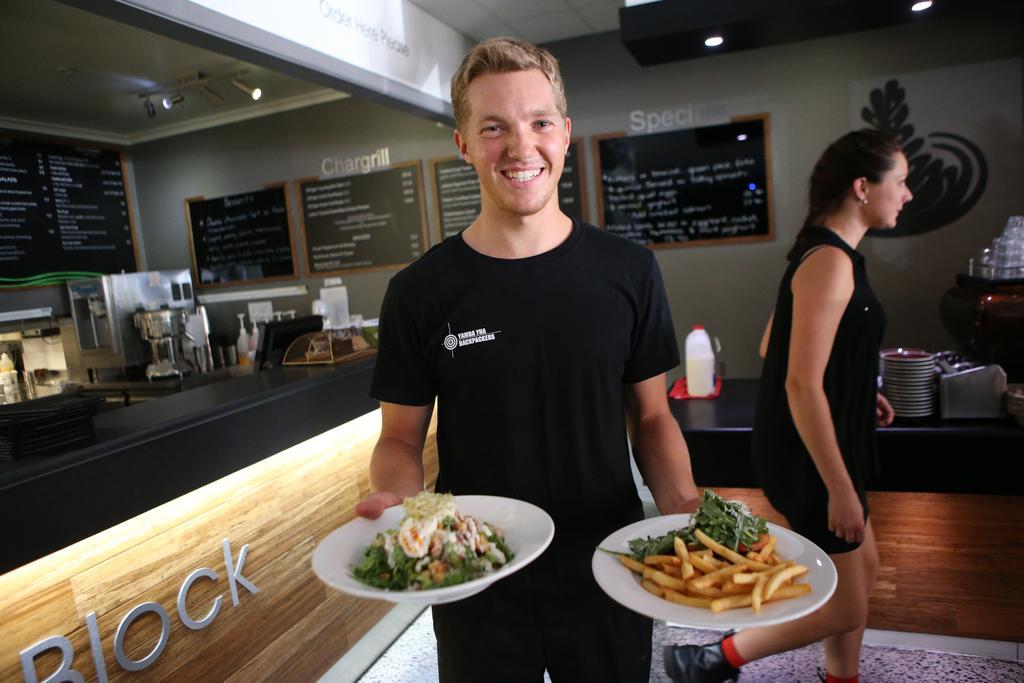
698	664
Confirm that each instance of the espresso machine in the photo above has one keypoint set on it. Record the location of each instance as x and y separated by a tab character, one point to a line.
133	320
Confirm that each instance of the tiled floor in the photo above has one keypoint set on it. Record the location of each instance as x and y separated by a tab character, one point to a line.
412	659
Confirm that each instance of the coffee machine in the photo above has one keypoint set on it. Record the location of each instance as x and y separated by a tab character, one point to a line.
133	319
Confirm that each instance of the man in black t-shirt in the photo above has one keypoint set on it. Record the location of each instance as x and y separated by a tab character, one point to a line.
537	336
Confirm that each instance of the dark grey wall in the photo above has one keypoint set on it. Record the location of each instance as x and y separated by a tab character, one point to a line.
729	289
245	156
805	88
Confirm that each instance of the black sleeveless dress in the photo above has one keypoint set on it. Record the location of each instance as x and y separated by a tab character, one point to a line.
782	464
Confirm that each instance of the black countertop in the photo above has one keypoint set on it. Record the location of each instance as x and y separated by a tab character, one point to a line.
155	451
928	454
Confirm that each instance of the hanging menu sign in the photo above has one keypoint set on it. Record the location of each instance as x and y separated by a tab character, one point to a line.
457	191
242	237
367	221
456	195
62	208
710	184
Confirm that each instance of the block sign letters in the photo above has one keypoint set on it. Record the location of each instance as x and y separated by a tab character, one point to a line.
63	644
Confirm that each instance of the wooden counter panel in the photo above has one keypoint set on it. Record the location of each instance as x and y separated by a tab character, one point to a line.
946	566
294	628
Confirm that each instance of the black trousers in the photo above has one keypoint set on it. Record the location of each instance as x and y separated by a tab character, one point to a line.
519	627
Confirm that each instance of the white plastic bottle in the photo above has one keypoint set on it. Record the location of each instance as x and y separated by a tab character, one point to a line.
254	340
243	341
700	363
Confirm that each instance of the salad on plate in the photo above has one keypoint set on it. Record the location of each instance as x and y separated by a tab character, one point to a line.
435	546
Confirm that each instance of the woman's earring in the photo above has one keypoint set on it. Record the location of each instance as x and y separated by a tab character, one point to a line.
864	200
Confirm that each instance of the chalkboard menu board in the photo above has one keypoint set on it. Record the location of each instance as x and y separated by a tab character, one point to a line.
457	191
368	221
242	237
62	208
695	185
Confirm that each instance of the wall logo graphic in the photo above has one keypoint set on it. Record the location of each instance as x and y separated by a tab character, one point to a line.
454	341
948	172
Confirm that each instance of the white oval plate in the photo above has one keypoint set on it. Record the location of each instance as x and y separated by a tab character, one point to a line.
623	586
528	531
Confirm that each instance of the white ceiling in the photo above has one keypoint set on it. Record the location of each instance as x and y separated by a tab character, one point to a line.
72	73
539	21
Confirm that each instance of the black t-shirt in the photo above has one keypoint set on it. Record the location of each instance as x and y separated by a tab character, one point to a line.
528	359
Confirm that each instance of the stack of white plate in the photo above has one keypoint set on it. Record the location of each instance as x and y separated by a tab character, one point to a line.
908	381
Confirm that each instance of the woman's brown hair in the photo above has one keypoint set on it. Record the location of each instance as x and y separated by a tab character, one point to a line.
866	153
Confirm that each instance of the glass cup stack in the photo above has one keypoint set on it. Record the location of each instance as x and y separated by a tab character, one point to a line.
1004	259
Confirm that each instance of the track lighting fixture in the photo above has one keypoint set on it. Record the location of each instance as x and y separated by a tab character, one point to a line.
172	100
254	93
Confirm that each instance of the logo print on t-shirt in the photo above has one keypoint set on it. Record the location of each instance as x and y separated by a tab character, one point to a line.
454	341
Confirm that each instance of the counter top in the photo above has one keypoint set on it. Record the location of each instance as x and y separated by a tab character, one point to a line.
925	455
733	410
155	451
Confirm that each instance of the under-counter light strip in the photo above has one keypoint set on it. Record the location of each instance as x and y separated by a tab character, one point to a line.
253	294
26	314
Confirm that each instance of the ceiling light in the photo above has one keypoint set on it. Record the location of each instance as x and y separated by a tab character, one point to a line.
741	137
921	6
150	109
211	95
172	100
714	41
254	93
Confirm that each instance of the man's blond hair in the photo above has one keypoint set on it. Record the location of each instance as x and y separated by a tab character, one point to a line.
503	55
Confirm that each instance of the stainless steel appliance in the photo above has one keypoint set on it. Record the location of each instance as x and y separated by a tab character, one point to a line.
164	330
103	311
969	390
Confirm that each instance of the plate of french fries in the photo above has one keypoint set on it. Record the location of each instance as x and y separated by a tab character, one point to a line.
708	585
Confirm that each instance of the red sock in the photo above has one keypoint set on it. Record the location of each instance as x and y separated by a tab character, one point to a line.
732	656
829	678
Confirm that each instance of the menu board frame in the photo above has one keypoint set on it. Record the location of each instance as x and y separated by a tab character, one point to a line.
581	180
769	236
29	138
196	275
424	230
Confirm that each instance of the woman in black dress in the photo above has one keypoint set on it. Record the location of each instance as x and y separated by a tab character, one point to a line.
814	430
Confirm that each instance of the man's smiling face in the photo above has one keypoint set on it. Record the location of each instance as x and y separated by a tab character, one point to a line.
516	139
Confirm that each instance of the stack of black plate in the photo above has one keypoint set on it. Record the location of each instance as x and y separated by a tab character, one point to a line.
47	426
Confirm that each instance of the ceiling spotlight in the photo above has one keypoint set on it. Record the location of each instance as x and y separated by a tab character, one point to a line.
150	109
172	100
741	137
254	93
211	95
714	41
921	6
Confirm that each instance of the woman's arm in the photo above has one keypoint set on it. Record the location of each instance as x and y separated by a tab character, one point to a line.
765	336
822	287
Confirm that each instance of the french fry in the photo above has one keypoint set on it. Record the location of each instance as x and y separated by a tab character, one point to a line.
704	591
653	588
727	553
663	579
752	577
730	587
687	570
783	593
757	594
672	570
681	552
717	576
702	564
631	564
767	550
679	598
655	560
776	581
